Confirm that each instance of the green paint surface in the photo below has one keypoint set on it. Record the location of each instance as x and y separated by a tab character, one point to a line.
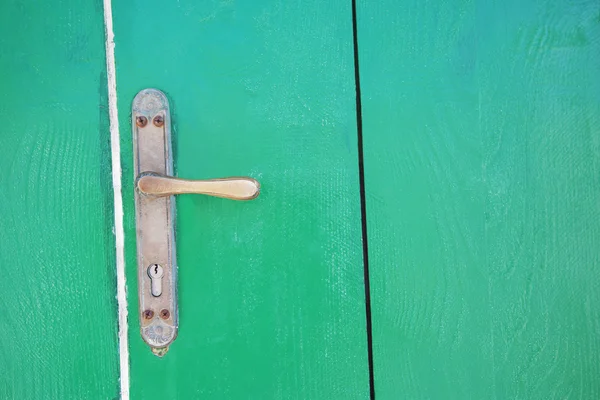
482	156
57	284
481	125
271	291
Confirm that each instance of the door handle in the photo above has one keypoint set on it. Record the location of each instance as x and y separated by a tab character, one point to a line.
155	215
153	184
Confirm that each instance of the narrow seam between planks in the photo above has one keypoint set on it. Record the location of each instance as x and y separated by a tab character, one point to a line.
118	201
363	204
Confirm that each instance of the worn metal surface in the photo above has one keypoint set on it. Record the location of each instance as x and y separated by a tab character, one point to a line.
155	212
155	219
242	188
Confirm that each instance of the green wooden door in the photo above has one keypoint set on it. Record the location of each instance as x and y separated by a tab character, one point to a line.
57	272
481	123
427	225
271	295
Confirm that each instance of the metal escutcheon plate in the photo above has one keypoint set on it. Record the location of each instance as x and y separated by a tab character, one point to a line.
155	219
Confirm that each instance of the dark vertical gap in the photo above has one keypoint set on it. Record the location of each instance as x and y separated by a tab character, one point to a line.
363	204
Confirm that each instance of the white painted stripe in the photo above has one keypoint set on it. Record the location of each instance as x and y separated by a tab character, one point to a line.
118	200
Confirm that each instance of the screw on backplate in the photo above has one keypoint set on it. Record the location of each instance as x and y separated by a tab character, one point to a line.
141	121
148	314
158	121
164	313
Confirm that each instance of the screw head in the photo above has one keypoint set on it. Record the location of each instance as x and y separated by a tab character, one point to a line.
164	313
148	314
158	121
141	121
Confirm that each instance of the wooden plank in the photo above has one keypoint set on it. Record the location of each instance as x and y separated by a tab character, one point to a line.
271	295
57	286
482	147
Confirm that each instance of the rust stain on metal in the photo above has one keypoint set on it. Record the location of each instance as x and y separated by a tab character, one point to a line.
158	121
164	313
141	121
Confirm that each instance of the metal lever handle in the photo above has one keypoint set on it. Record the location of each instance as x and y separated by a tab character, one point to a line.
155	215
158	185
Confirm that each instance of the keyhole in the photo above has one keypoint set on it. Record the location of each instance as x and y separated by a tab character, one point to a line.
156	272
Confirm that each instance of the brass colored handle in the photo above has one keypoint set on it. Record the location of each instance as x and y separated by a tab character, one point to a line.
153	184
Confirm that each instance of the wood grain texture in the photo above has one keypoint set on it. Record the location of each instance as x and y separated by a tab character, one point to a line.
482	154
57	282
270	291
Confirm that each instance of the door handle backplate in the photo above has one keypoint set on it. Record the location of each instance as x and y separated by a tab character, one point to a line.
155	222
155	215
